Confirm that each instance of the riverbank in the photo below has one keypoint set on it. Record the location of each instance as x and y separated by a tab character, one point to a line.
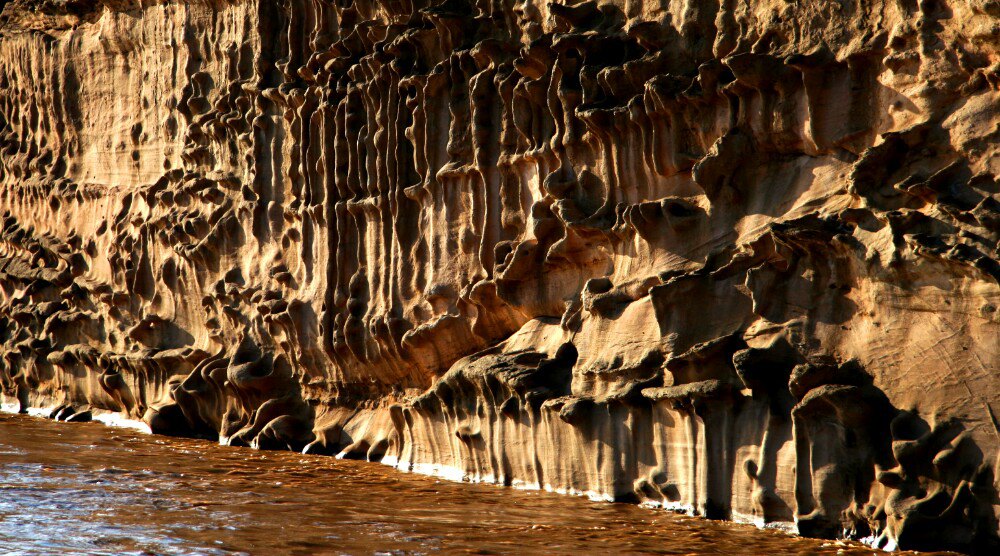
90	488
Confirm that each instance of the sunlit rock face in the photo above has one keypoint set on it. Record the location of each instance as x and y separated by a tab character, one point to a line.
734	257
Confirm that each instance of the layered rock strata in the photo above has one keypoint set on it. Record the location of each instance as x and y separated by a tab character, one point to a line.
739	258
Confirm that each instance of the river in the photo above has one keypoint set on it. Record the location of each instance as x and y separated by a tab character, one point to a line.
85	488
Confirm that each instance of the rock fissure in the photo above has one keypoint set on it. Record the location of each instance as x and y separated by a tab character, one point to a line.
740	258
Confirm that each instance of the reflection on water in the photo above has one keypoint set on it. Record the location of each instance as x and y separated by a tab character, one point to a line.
89	489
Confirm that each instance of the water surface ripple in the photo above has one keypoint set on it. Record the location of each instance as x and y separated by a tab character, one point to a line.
84	488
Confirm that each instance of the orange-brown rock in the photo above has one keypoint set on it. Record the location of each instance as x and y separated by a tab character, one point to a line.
734	257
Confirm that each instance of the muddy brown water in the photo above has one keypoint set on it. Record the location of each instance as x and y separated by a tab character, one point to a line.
85	488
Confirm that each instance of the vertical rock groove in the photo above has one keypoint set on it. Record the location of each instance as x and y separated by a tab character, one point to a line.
738	258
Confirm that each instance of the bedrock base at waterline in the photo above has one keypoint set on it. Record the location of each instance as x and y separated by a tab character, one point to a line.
739	258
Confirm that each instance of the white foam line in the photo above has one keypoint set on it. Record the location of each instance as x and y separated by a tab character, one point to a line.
518	484
117	421
32	411
107	418
391	461
594	496
783	526
873	541
443	471
458	475
676	507
42	412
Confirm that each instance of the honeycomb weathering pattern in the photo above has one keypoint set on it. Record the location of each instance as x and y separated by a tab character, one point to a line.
734	257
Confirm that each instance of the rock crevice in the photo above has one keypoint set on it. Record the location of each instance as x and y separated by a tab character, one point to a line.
741	259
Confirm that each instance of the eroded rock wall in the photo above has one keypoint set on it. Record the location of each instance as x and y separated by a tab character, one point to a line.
734	257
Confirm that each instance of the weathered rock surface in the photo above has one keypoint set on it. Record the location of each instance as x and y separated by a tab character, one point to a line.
734	257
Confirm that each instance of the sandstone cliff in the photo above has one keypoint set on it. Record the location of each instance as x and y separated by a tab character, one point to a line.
735	257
